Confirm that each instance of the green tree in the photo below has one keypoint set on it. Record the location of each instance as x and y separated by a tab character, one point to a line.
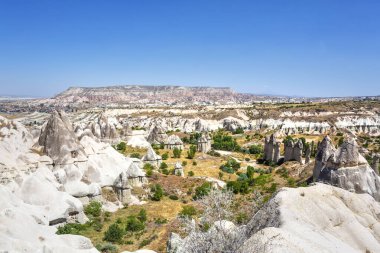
177	153
191	152
158	192
165	156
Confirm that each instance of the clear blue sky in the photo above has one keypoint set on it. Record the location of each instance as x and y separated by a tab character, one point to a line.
290	47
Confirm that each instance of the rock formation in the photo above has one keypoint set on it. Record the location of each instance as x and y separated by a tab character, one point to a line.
59	140
271	149
157	135
345	168
297	151
173	142
293	151
178	170
122	188
375	163
307	154
204	143
335	219
136	176
152	158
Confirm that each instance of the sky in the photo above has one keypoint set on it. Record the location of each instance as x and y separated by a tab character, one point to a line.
280	47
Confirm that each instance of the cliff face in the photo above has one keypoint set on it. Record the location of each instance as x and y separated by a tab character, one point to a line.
145	94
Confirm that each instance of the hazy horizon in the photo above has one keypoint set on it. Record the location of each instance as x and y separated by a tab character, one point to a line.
291	48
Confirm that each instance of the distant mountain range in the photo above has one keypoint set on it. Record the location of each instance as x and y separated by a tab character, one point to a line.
144	95
136	94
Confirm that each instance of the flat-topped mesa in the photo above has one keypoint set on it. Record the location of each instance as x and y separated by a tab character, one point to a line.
204	143
59	140
173	141
346	168
157	135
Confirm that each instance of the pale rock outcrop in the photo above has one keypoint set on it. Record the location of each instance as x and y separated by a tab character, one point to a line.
232	124
178	170
103	129
59	141
204	143
375	163
271	149
288	150
345	168
293	151
157	135
25	228
122	188
136	176
307	155
319	218
173	141
297	152
152	158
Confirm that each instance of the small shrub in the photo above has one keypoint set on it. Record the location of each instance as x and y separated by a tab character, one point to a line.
239	131
135	155
72	228
190	173
134	224
146	242
142	216
184	163
255	149
114	233
194	163
93	209
163	165
202	190
173	197
148	169
241	218
165	156
121	146
158	192
177	153
191	152
188	211
107	248
160	221
165	171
